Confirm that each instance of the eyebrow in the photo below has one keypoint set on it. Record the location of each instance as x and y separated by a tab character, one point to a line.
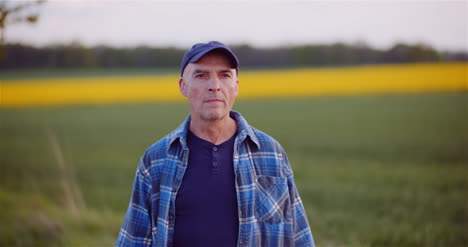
226	71
196	71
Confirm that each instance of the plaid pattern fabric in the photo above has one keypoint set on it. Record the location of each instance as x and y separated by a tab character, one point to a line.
270	209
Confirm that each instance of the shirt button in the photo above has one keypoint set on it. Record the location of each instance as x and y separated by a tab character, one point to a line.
215	149
215	163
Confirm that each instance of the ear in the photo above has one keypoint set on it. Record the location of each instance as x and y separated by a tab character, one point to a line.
237	87
183	87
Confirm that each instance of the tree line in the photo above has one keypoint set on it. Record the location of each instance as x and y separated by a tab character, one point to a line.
75	55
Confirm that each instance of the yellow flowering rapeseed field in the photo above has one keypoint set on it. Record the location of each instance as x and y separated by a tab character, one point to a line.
253	84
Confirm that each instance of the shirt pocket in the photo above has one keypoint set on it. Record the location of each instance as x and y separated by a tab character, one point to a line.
272	203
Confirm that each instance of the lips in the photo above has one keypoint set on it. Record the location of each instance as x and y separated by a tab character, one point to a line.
214	100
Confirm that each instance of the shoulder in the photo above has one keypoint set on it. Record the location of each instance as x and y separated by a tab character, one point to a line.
269	152
156	151
257	139
267	142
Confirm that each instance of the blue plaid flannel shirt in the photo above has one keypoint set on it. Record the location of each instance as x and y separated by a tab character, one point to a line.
270	209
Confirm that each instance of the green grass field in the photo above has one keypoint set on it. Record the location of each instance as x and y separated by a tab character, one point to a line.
380	170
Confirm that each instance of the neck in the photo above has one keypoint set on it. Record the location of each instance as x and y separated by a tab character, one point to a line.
216	132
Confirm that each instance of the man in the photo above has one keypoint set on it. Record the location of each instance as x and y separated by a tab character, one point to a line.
215	180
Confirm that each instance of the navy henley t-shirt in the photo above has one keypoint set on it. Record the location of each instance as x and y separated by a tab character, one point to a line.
206	203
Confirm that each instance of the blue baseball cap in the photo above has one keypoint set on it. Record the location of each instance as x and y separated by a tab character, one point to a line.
201	49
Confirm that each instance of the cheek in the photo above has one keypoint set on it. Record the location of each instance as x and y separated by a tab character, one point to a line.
194	93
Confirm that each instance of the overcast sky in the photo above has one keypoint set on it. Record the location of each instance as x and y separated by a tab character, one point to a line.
441	24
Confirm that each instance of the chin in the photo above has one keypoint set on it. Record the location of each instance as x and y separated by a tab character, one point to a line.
214	115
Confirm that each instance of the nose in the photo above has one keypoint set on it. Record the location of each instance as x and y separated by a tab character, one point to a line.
214	85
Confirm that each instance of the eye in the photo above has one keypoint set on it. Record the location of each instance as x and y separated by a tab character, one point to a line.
226	75
199	75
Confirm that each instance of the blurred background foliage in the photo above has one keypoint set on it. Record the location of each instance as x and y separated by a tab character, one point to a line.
75	55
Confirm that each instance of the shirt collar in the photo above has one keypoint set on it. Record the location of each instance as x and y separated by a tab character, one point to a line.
244	130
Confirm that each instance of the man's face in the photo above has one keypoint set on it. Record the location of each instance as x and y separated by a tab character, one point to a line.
210	85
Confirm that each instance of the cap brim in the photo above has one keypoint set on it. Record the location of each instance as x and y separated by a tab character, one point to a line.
199	55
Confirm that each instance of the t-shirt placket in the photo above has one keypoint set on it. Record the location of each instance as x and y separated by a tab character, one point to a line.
214	162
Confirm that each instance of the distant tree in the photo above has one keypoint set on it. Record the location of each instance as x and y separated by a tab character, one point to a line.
76	55
16	13
401	53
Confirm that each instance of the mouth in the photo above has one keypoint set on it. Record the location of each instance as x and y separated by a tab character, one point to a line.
214	101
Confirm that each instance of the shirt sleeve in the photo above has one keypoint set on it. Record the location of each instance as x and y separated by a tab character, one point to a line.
136	228
302	233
